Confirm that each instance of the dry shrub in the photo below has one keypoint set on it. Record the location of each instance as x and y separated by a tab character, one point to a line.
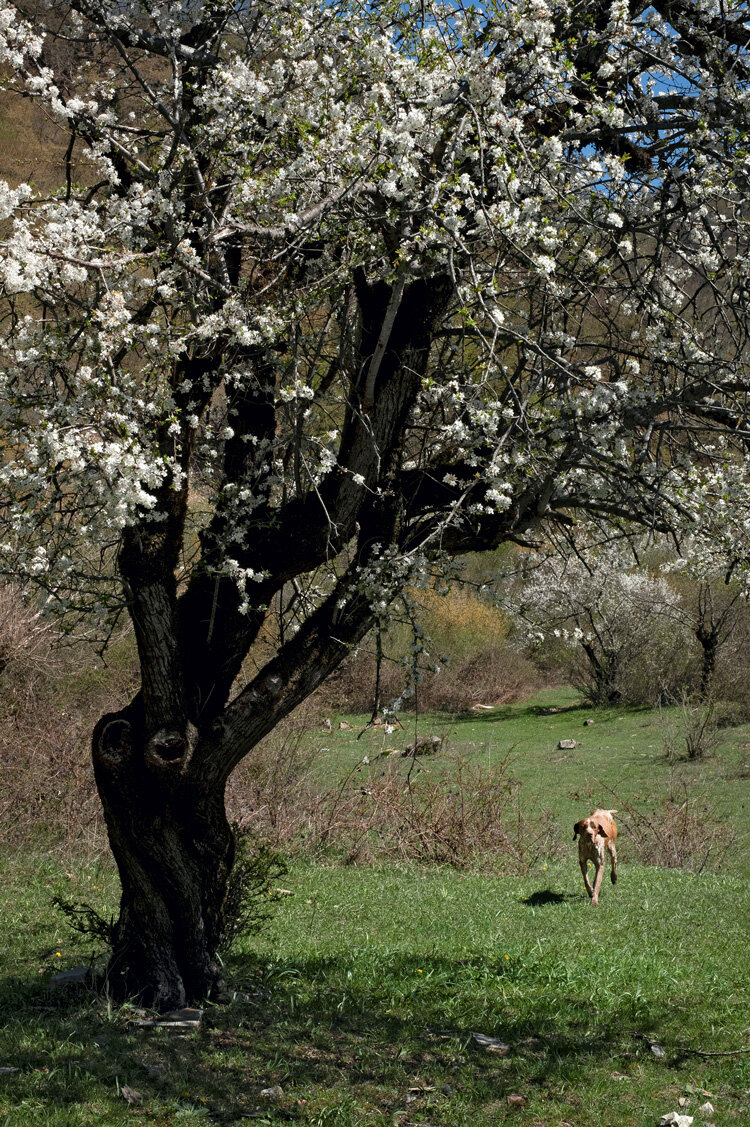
693	733
268	792
497	675
50	698
25	642
680	836
467	660
677	835
473	819
351	688
48	788
731	682
459	623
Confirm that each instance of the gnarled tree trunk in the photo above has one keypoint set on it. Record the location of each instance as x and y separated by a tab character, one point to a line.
174	850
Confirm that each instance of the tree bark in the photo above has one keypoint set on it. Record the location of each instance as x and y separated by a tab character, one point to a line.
174	850
709	643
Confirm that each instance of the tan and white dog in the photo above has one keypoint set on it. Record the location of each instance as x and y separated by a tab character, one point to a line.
596	835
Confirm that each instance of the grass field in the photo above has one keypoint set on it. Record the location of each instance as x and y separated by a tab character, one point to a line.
361	1002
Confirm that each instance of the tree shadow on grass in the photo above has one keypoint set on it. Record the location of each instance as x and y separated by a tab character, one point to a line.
365	1042
542	711
523	712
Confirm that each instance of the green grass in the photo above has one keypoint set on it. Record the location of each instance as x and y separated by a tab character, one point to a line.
372	982
363	996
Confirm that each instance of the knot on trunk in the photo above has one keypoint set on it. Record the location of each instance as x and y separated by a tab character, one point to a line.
167	749
112	742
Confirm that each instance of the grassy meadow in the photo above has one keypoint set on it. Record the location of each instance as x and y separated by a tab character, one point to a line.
361	1002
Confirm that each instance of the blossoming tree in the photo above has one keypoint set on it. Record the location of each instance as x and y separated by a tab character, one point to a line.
344	290
625	631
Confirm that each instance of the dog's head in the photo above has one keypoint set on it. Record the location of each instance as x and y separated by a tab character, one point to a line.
589	828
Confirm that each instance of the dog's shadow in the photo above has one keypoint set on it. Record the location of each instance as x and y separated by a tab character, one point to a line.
546	896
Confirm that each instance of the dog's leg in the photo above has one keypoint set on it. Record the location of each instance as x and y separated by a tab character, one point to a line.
613	859
585	870
598	882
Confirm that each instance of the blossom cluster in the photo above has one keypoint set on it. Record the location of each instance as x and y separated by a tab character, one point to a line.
189	317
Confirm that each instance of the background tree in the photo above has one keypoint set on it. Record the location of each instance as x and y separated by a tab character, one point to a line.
624	633
347	290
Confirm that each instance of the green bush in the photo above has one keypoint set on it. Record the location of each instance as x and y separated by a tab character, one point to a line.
249	902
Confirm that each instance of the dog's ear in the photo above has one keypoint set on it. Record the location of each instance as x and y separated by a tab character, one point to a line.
601	830
577	828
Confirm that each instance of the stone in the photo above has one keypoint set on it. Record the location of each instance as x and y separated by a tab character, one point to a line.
707	1108
424	745
273	1093
566	745
674	1119
184	1019
491	1044
76	976
130	1095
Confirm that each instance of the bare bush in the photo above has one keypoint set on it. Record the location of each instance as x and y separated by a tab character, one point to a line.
48	786
731	682
25	640
473	818
680	833
693	733
351	688
494	675
269	792
50	699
